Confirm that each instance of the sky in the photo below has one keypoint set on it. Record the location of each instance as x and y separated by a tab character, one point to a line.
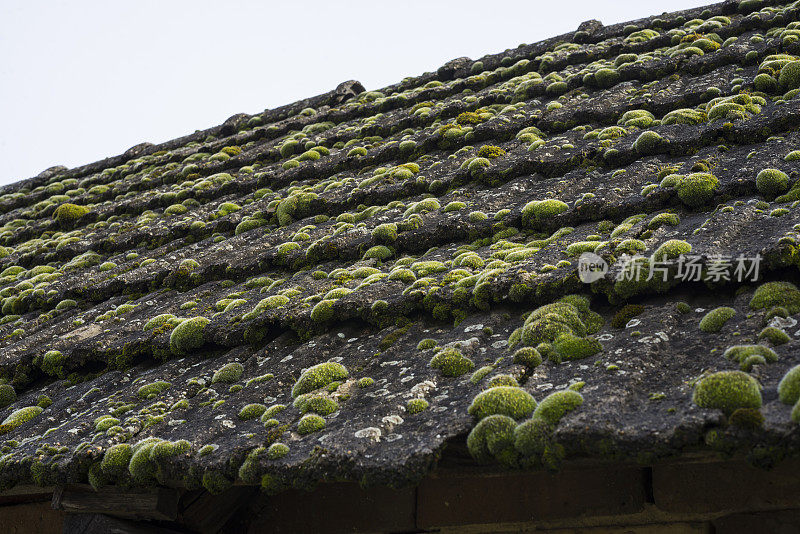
84	80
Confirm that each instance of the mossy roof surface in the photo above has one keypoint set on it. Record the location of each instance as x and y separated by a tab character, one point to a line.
284	203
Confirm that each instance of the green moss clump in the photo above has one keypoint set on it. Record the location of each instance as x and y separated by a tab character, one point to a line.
319	376
7	395
697	188
66	215
749	355
216	483
53	363
772	182
294	207
310	423
188	335
492	437
252	411
319	405
323	311
789	77
528	356
789	386
385	233
503	400
451	362
148	391
490	152
683	308
18	418
166	320
628	312
537	211
503	380
141	468
774	335
365	382
556	405
765	83
727	391
572	347
747	418
771	294
426	344
415	406
277	451
378	252
115	460
663	219
716	319
531	437
648	143
228	373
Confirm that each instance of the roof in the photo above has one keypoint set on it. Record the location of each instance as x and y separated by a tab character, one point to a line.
328	290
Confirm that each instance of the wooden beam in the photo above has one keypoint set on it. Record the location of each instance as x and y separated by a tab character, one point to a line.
88	523
206	513
149	503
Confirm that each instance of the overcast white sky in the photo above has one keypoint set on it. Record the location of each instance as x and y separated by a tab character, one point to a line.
83	80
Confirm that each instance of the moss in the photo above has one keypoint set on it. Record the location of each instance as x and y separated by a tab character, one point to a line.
53	363
19	417
663	219
451	362
385	233
104	423
572	347
319	405
319	376
323	311
749	355
529	357
215	482
716	319
491	152
648	143
228	373
277	451
7	395
747	419
415	406
252	411
774	335
365	382
771	294
66	215
537	211
789	386
556	405
379	252
772	182
148	391
503	400
188	335
310	423
532	436
628	312
698	188
426	344
159	321
492	437
141	468
115	460
727	391
481	373
789	77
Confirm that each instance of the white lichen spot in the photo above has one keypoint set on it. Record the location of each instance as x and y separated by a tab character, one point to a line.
227	423
407	379
605	337
423	388
340	335
473	327
783	322
632	323
393	437
392	420
372	433
287	358
500	344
